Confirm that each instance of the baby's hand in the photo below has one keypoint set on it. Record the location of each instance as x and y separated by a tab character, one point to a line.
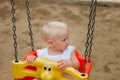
63	64
30	58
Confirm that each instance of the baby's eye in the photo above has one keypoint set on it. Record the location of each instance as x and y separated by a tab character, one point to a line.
64	40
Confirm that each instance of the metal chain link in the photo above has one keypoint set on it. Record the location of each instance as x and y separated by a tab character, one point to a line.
29	24
89	36
14	30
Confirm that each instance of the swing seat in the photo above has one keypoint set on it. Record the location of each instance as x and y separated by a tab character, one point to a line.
79	57
81	60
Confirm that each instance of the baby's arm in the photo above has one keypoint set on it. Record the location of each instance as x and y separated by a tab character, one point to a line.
63	63
30	56
73	62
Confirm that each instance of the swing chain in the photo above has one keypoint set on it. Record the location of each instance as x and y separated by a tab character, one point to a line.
29	24
89	36
14	30
90	29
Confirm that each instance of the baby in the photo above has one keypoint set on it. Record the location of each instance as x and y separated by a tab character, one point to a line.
56	35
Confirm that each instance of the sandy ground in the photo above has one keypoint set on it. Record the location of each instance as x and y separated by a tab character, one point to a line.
105	54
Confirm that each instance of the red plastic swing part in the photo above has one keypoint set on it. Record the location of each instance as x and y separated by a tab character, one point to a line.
79	57
29	67
81	60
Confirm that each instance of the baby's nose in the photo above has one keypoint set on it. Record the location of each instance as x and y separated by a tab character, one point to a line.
68	41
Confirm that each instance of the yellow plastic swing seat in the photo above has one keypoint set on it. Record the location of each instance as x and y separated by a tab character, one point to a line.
45	70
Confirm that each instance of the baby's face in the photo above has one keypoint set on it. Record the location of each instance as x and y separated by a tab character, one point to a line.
61	40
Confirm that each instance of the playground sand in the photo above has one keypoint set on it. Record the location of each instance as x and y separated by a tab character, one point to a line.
105	54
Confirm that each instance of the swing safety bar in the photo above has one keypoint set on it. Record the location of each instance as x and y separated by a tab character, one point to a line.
45	70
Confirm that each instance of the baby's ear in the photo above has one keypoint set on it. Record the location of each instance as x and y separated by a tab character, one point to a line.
50	42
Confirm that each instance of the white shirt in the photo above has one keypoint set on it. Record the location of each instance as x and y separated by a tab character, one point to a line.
65	55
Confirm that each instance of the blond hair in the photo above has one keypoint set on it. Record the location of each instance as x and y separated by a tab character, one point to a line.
51	29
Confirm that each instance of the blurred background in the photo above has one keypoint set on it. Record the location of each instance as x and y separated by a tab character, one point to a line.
105	50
